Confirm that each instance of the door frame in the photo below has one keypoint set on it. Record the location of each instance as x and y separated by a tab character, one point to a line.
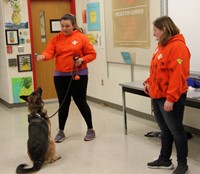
72	10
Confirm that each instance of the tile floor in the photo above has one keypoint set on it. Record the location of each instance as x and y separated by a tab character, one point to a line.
111	152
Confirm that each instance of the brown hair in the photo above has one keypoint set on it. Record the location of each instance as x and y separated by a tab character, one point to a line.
166	24
72	18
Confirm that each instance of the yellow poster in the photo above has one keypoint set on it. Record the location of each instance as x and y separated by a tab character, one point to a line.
92	38
93	17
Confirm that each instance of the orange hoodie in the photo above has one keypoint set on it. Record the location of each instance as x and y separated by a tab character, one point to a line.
169	70
63	48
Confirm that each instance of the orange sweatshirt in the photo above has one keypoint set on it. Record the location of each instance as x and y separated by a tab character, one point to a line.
169	70
63	48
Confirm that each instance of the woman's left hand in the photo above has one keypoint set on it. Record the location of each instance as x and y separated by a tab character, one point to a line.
168	106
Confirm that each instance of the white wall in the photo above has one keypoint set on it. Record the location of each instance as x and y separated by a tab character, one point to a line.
190	29
4	87
6	72
113	74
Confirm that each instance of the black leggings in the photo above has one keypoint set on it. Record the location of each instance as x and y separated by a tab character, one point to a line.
77	90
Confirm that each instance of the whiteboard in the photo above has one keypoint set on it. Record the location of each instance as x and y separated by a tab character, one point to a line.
142	55
186	15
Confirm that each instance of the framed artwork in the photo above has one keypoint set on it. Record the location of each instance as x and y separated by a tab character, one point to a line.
21	86
12	37
55	25
24	62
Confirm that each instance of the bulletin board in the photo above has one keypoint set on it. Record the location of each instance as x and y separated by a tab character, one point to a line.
140	56
186	18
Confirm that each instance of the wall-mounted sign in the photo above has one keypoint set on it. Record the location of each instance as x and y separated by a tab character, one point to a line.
12	62
9	49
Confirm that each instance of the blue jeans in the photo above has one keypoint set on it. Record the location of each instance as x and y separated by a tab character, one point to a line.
172	129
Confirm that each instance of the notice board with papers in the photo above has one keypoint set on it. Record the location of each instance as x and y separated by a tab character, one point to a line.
122	20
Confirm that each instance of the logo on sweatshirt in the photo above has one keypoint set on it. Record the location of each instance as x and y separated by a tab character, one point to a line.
160	56
179	61
74	42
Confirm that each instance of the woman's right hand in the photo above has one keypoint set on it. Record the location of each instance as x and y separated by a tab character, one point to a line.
146	88
40	57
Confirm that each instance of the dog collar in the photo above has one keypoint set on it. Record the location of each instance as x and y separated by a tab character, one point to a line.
39	116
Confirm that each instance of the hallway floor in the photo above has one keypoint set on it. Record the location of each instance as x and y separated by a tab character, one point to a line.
111	152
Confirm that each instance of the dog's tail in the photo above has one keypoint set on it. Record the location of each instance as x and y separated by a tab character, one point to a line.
22	168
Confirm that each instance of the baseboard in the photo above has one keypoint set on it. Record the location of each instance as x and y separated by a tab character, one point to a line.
11	105
130	111
139	114
15	105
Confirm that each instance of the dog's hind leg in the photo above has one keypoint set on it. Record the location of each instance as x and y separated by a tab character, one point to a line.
51	155
55	158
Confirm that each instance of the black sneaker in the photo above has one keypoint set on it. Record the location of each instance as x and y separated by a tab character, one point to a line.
181	169
160	164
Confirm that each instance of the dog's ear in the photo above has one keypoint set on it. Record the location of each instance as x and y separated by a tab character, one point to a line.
24	97
39	91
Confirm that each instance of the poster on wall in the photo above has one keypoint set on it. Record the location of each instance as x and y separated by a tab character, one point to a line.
93	16
131	23
15	11
24	36
92	37
84	16
21	86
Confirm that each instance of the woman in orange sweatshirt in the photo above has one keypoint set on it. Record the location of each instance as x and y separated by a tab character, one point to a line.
72	51
167	87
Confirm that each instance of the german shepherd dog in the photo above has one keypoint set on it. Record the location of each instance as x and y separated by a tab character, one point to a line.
41	147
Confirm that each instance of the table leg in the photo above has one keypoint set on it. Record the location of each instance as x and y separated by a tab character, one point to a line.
124	111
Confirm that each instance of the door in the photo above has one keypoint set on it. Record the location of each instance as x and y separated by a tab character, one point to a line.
44	10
